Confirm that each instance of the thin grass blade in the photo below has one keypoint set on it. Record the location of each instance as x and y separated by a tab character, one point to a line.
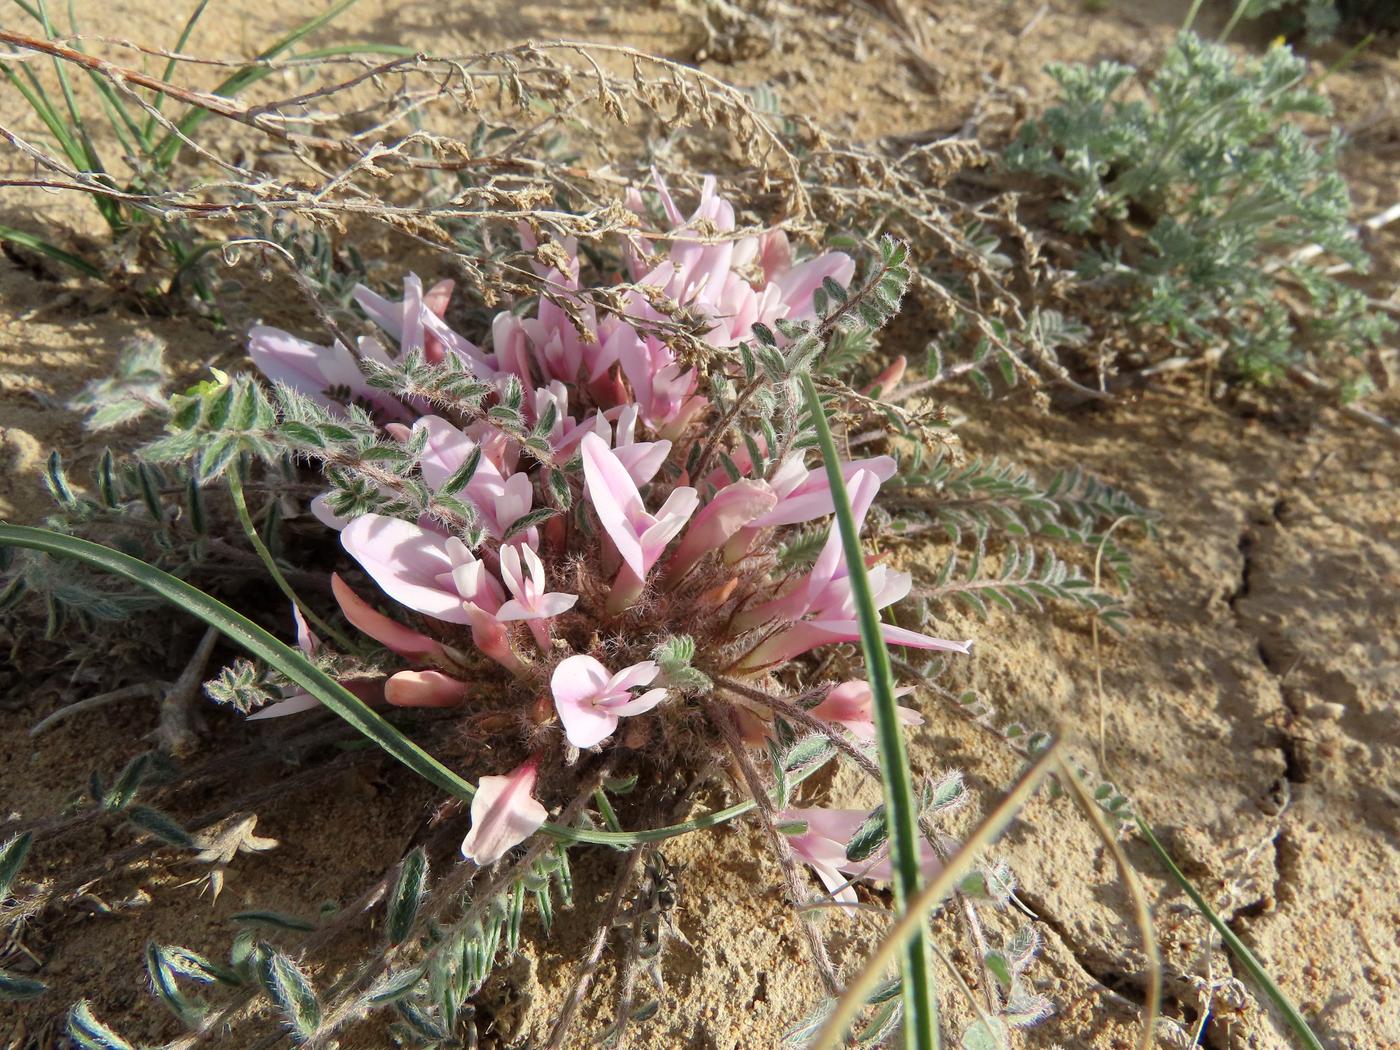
921	1030
1237	947
831	1036
148	132
239	629
169	147
165	153
38	244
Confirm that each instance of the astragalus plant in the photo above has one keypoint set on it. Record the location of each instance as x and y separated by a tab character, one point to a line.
598	534
588	577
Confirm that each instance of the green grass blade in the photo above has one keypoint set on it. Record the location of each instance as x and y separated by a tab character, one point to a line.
165	153
118	116
148	132
38	244
125	127
74	137
240	506
297	668
831	1036
34	94
70	100
920	999
248	635
1237	947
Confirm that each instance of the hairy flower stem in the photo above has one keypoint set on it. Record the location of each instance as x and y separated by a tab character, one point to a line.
720	717
629	970
240	506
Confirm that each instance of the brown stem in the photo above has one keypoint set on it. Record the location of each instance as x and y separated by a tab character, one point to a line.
629	982
174	733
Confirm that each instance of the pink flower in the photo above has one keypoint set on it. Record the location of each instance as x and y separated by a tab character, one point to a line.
639	536
491	637
733	507
504	814
664	389
531	602
426	571
300	701
323	373
804	495
823	847
590	701
424	689
307	641
852	705
388	633
500	499
641	459
709	276
889	379
436	300
823	603
413	319
798	285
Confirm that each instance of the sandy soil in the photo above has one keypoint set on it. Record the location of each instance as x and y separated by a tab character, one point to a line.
1250	712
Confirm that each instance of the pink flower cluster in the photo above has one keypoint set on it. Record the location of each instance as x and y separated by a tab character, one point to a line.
625	412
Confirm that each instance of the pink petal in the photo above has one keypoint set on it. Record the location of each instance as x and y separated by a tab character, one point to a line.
838	885
492	639
847	702
837	825
774	254
586	724
639	674
643	459
670	520
732	508
406	561
368	690
307	641
424	689
811	498
320	509
446	450
615	499
800	283
578	678
504	814
383	630
577	683
436	299
293	705
641	704
555	603
511	575
900	636
862	490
